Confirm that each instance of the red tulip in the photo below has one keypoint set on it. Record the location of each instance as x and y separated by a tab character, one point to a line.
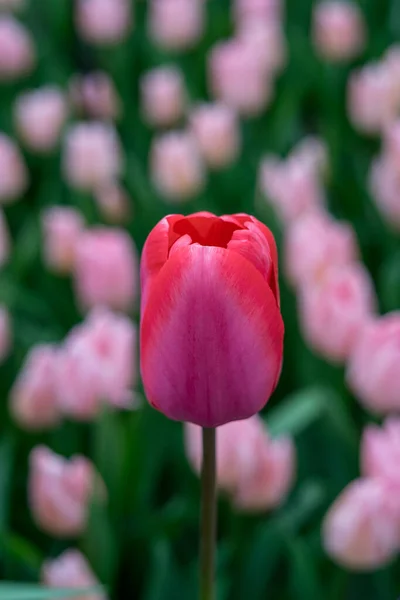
211	327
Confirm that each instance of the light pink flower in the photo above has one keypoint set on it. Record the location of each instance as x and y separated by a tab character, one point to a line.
176	166
264	10
71	570
361	529
374	364
176	24
163	95
60	491
33	396
106	269
113	202
216	130
17	53
5	333
62	227
335	310
384	184
103	22
338	30
312	152
267	41
13	173
92	155
95	95
380	452
5	242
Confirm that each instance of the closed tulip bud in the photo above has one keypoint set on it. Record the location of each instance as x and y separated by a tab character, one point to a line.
5	333
176	24
335	310
338	30
71	570
113	203
384	181
96	96
13	173
163	96
34	396
373	366
5	242
265	10
103	22
40	116
17	53
61	490
106	269
361	529
380	451
312	152
267	41
176	166
211	328
62	228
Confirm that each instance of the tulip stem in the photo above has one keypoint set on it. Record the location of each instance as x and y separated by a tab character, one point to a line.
208	516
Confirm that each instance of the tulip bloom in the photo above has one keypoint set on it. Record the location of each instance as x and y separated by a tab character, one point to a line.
211	327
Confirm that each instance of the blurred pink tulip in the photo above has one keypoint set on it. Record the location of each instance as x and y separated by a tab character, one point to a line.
315	242
40	116
113	202
5	243
60	491
380	452
374	364
71	570
338	30
13	173
176	24
17	53
361	529
312	152
33	396
176	166
163	95
267	41
92	155
106	269
384	184
95	95
264	10
103	22
62	227
335	310
5	333
216	130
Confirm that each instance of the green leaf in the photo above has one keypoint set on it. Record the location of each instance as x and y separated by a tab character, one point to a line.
296	413
13	591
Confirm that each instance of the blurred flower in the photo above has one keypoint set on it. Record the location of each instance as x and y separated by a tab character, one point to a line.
92	155
97	364
106	269
374	364
71	570
380	452
315	242
17	53
5	243
95	95
176	166
384	183
335	310
33	396
176	24
60	491
256	471
5	333
264	10
40	116
113	202
267	41
338	30
103	22
12	4
361	529
216	130
62	227
211	328
312	152
13	173
163	95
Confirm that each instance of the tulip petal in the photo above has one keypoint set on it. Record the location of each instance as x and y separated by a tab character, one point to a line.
211	337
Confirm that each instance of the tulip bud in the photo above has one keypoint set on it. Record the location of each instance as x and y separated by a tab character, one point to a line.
62	227
384	181
163	96
211	353
176	24
265	10
338	30
95	95
267	41
70	570
113	202
380	451
103	22
13	173
17	53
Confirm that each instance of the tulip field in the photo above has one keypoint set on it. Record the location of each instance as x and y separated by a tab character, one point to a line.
200	228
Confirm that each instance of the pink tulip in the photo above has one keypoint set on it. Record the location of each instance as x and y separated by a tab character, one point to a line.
92	155
5	333
71	570
163	96
34	396
264	10
60	491
13	173
40	116
335	310
5	242
106	269
96	96
380	452
338	30
216	130
62	228
315	242
97	364
113	203
176	24
206	356
311	152
267	41
103	22
384	182
373	367
176	166
361	529
17	53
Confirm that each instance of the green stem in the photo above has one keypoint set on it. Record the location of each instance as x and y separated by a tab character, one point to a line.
208	516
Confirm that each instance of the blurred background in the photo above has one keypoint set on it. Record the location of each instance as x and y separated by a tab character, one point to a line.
113	114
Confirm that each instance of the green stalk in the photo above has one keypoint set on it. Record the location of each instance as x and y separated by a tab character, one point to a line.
208	516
